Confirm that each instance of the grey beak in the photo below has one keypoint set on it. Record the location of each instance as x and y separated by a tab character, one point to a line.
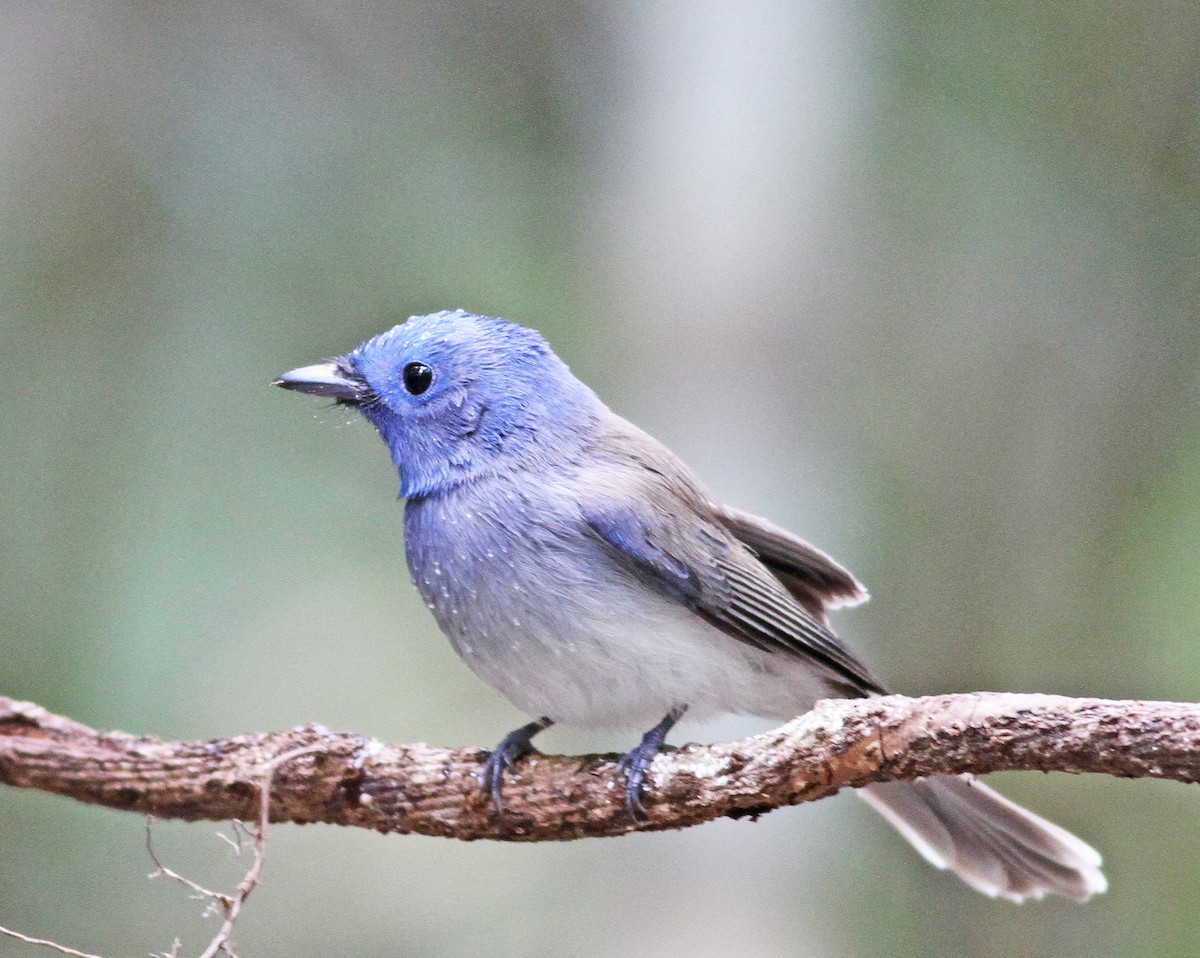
326	379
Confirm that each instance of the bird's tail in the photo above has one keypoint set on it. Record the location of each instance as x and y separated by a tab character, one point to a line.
992	844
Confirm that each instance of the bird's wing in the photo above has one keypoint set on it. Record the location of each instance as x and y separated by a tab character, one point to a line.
645	506
813	578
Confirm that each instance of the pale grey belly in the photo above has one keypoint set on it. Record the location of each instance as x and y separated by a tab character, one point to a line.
591	657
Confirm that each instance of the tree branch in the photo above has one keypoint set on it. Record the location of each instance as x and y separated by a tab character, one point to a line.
345	779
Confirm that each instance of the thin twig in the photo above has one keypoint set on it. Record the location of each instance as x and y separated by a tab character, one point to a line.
162	871
46	943
232	904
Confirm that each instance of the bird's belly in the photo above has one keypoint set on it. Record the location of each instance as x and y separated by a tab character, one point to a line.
594	658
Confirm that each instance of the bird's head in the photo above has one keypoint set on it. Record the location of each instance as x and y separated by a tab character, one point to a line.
457	396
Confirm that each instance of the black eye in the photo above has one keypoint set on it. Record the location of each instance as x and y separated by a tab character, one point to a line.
417	377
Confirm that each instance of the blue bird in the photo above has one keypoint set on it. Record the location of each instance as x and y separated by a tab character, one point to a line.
578	566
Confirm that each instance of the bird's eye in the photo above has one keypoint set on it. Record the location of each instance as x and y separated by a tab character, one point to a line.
417	378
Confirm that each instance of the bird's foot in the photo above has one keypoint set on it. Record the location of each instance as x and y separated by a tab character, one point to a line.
635	763
512	748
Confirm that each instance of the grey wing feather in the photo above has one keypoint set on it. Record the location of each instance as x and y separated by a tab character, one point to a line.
677	542
813	578
776	620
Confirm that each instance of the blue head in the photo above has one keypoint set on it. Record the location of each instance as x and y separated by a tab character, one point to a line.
457	396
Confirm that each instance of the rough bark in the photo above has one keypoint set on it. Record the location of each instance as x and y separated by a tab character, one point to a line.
344	779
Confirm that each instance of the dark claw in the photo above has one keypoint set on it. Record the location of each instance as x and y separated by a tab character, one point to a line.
512	748
635	763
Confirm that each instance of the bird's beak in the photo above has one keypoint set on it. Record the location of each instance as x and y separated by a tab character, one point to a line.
333	379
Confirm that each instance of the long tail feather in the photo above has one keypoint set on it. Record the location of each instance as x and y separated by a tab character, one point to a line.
992	844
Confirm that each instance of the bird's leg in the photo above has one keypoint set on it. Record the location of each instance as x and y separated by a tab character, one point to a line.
512	748
636	761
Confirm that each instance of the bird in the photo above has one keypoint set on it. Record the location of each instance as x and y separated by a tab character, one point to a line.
581	569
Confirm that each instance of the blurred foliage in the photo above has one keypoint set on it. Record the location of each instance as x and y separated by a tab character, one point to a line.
918	280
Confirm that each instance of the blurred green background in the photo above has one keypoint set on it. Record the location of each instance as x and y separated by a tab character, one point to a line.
917	280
